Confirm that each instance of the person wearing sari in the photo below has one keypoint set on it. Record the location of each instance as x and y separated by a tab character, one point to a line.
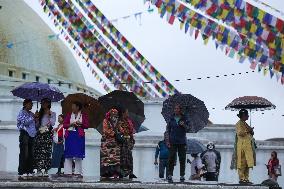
244	153
74	124
127	130
110	148
43	140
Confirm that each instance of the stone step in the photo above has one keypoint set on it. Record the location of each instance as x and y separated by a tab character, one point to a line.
35	185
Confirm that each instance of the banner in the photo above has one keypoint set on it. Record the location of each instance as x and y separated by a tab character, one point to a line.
134	56
94	49
103	66
244	47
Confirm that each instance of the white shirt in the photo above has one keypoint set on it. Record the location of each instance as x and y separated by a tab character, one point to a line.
196	164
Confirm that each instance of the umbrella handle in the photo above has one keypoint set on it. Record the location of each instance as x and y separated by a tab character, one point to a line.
250	117
38	93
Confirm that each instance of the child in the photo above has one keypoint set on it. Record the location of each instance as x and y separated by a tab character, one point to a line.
58	146
272	165
162	151
196	167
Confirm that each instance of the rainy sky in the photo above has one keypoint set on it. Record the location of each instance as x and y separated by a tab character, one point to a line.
178	56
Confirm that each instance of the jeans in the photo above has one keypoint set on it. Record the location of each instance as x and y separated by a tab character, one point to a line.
181	149
163	164
26	153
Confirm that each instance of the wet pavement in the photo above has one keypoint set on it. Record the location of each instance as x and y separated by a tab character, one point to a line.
10	181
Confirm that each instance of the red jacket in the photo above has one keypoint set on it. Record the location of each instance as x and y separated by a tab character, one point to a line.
85	124
272	163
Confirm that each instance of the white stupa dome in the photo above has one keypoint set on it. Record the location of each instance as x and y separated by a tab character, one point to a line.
32	55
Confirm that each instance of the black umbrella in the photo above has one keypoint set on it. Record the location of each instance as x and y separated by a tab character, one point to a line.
193	108
194	147
127	100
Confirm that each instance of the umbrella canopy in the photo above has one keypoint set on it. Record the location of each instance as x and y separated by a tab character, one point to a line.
91	107
250	103
37	91
194	146
192	107
142	128
129	101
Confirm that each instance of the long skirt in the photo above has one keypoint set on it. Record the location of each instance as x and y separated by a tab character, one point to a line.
57	155
110	157
42	150
74	145
126	161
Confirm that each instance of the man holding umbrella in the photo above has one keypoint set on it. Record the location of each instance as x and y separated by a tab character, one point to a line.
177	133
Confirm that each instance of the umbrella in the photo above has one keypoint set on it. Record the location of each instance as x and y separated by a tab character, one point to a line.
91	107
129	101
194	146
37	91
142	128
251	103
192	107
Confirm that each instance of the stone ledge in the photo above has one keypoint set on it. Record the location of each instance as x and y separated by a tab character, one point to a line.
124	185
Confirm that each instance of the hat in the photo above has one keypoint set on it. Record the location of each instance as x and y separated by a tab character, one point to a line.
242	112
210	146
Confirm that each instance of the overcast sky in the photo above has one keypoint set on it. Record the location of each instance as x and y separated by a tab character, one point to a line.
178	56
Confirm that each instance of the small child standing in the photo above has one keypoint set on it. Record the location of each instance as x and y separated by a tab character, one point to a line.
273	166
196	167
58	146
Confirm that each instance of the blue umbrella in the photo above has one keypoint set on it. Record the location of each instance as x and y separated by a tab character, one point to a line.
194	147
142	128
37	91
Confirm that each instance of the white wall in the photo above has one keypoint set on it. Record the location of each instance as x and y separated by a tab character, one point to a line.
154	120
143	155
3	157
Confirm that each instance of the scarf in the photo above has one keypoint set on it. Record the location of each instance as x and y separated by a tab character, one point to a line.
74	119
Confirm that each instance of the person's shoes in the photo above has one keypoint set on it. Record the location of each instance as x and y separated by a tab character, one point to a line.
242	182
22	177
39	174
245	182
132	176
182	179
59	174
30	175
170	179
45	174
115	176
248	182
78	176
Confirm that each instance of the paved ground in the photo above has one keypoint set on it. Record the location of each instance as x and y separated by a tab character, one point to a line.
11	181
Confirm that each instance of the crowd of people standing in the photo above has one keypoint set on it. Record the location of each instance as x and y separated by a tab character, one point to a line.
207	164
44	146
